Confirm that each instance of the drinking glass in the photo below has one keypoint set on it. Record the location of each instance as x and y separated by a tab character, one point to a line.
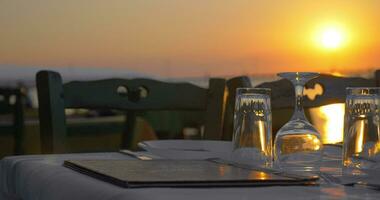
252	137
361	147
298	145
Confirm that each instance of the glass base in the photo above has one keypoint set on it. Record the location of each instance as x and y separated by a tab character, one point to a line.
251	156
299	163
352	171
298	151
357	165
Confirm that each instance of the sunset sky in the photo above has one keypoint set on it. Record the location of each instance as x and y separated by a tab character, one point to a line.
192	37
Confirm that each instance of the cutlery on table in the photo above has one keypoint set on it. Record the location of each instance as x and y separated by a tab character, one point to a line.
139	155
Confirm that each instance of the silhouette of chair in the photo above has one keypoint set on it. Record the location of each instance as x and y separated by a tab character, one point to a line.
11	103
131	96
324	90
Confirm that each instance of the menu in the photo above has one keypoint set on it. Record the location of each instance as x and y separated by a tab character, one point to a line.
179	173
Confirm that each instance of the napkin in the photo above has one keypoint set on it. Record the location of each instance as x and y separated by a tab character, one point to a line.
188	149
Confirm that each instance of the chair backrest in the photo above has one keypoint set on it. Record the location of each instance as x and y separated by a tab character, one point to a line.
11	103
131	95
377	78
323	90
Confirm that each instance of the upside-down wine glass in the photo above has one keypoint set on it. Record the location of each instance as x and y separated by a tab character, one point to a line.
298	145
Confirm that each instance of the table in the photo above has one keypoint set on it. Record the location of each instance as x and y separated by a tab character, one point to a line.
43	177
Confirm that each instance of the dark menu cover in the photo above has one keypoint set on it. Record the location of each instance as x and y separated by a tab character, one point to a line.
178	173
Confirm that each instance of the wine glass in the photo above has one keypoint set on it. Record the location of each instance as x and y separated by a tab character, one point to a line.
298	145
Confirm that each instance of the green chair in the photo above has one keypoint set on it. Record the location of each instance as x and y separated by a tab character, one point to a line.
232	85
129	95
11	104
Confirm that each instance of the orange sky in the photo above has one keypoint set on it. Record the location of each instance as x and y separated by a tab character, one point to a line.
189	37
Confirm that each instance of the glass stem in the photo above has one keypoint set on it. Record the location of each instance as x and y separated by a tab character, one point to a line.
299	113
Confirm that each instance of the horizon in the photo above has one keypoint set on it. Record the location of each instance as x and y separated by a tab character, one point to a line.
20	71
17	75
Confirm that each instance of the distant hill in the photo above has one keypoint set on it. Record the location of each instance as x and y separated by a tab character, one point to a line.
12	75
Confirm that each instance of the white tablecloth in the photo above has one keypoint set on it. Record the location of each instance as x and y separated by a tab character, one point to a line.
43	177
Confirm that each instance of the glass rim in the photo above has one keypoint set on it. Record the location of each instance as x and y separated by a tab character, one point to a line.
362	91
298	72
362	88
253	88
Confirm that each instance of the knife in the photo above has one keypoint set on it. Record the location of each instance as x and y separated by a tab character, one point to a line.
139	155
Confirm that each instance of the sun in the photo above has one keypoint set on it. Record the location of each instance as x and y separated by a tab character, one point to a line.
331	38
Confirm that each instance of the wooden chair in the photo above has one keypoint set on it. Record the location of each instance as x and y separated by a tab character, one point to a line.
11	103
131	96
324	90
232	85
